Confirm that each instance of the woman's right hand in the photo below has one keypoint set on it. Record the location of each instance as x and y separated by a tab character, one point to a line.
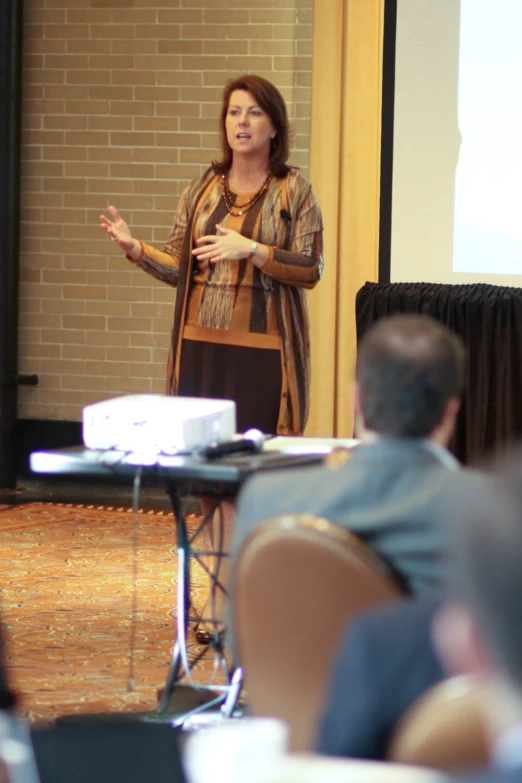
118	230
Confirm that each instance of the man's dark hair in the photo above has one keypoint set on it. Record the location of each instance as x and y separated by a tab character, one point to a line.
487	561
408	368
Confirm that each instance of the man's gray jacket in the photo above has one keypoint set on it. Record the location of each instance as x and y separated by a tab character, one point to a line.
392	493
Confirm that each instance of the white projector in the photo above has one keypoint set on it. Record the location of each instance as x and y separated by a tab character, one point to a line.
158	422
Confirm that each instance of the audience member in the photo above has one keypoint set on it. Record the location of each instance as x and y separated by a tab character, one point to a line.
391	492
480	632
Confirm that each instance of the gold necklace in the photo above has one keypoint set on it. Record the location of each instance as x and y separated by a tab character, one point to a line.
242	208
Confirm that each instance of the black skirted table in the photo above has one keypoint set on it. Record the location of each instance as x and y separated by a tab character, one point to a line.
488	319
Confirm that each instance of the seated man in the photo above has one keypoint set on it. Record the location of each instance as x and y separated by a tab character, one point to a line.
387	660
391	492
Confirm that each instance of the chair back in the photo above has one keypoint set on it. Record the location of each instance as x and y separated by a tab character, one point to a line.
296	582
444	729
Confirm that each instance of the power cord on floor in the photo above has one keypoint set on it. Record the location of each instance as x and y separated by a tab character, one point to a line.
131	682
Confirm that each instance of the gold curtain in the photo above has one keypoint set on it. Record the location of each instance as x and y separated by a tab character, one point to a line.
345	174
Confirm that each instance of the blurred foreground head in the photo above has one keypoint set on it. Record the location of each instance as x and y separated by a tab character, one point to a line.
478	632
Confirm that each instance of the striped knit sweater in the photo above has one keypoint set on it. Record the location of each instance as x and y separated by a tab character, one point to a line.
236	302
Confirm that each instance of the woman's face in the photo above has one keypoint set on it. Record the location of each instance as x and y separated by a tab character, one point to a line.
249	129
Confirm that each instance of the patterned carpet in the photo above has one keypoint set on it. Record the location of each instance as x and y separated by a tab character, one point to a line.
87	597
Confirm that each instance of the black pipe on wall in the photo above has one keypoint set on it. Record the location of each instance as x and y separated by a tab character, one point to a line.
10	127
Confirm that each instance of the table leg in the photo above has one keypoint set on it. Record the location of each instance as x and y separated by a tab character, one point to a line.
182	600
224	695
172	678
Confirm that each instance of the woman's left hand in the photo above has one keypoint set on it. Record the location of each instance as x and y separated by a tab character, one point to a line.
223	246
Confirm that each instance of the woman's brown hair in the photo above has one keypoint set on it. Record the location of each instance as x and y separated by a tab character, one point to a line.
270	100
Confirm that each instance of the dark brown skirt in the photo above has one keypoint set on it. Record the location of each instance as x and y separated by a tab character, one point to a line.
250	376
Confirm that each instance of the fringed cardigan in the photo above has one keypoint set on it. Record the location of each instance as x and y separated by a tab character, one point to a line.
288	220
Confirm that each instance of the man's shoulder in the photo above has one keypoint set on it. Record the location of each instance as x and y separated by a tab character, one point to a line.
291	491
270	481
364	459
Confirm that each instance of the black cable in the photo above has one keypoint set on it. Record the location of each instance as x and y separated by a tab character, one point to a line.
131	682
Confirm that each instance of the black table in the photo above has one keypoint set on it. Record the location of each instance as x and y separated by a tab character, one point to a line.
183	476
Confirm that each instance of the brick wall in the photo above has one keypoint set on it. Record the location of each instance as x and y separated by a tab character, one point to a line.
120	105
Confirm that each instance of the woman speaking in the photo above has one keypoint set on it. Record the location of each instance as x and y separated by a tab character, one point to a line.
246	242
